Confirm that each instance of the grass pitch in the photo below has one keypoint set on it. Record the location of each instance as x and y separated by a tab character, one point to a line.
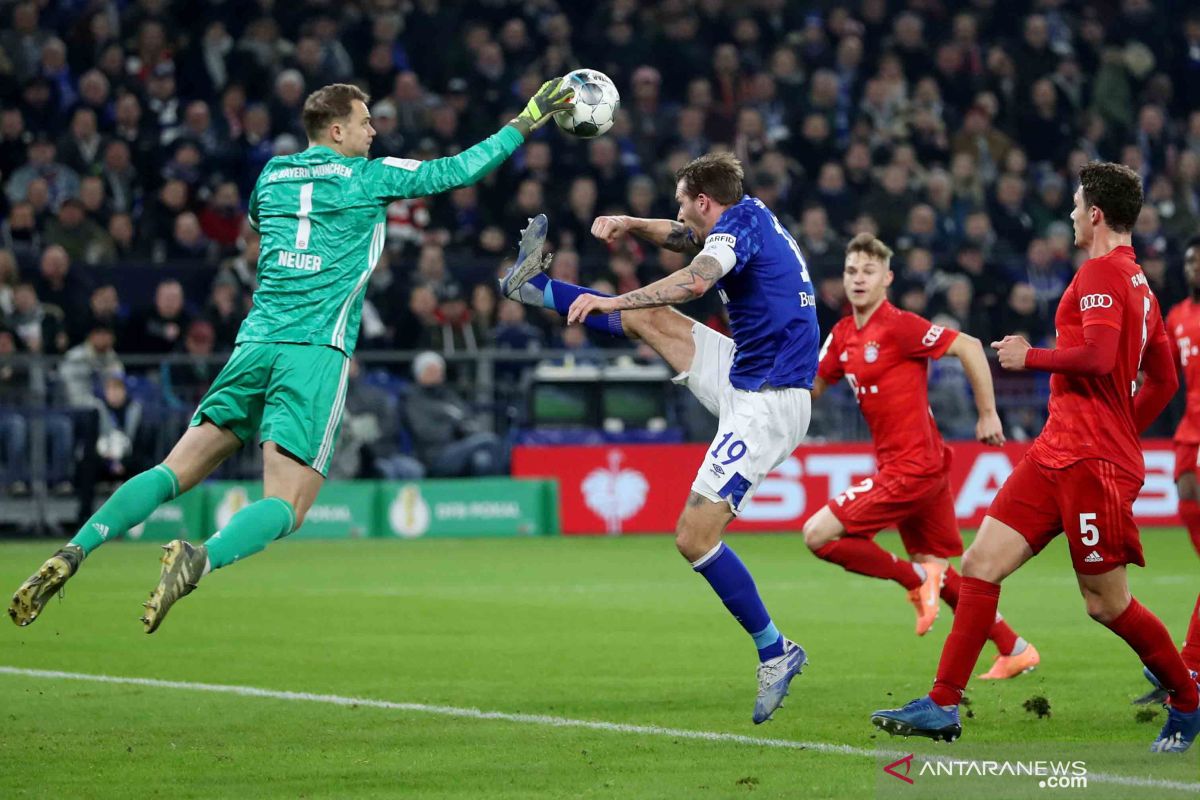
608	630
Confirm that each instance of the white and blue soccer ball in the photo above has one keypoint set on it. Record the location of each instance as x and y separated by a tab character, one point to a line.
594	107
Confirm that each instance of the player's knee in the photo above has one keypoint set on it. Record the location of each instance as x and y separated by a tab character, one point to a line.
692	540
1102	608
976	564
816	533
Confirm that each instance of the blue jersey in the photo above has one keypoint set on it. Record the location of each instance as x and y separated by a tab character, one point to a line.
767	291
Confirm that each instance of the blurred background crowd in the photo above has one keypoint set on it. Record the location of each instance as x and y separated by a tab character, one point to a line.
131	134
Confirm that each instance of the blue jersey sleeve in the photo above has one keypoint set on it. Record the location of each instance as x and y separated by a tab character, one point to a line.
741	229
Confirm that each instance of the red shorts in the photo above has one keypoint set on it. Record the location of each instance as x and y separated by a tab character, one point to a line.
1092	500
1185	458
922	509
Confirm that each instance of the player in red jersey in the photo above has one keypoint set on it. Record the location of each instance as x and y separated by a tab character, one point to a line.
1083	472
1183	331
883	352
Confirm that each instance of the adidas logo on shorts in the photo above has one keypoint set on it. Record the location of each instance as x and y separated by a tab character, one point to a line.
1093	558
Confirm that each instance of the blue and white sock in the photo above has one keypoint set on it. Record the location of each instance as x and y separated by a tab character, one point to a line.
558	295
732	582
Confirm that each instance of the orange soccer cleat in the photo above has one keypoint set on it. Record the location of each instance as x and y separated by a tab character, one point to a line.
925	597
1004	667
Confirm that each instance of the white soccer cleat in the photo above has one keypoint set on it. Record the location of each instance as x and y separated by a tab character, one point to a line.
530	262
774	676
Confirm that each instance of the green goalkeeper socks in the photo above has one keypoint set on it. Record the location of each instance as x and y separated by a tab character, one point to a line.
250	530
130	505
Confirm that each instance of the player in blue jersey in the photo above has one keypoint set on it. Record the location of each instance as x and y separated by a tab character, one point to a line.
757	382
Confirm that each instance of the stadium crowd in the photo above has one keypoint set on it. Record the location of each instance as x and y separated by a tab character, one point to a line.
132	132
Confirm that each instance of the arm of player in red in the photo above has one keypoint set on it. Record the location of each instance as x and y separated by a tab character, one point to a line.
1096	356
1159	385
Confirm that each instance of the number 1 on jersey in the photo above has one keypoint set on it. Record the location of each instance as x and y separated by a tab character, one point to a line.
303	224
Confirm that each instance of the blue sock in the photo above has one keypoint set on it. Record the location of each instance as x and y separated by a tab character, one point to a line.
559	296
732	582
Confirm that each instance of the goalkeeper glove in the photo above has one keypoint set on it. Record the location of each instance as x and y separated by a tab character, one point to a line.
551	99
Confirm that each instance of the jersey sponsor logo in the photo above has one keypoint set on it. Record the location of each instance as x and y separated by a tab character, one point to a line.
932	335
1090	301
409	164
721	238
807	299
309	262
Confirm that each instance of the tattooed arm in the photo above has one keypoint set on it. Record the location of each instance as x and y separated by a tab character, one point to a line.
666	233
679	287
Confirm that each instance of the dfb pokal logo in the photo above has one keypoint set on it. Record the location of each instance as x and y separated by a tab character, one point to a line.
614	494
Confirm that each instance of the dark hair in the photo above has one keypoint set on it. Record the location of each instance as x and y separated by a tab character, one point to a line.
1116	190
871	245
328	104
718	175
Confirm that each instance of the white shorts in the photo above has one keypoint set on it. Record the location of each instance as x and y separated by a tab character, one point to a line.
757	430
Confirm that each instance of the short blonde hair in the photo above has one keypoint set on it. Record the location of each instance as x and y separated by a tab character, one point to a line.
872	246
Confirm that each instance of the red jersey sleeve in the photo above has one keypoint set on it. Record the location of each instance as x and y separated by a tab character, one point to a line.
829	368
1102	294
917	337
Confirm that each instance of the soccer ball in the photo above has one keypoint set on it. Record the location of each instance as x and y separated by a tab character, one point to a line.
594	106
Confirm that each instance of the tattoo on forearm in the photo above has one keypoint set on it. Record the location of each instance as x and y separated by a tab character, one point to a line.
680	239
687	284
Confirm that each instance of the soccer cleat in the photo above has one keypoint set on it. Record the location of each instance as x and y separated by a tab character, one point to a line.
774	676
1180	730
1156	696
1004	667
29	600
182	566
514	284
921	717
925	597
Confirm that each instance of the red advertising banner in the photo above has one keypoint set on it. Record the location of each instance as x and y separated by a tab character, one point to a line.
642	488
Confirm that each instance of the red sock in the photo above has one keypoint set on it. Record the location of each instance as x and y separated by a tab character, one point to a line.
855	554
1189	511
1004	637
974	616
1191	645
1150	639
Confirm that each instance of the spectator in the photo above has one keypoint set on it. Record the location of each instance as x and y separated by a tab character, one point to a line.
61	180
225	311
188	242
185	382
81	149
161	328
104	310
40	328
368	446
1021	316
80	237
449	436
9	275
57	284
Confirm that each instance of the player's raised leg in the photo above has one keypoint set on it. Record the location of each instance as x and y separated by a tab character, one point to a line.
997	551
826	536
289	489
194	457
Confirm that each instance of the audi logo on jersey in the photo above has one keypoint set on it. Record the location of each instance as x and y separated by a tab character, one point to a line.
1089	301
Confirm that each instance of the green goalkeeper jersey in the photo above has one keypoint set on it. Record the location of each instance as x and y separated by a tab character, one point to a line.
322	220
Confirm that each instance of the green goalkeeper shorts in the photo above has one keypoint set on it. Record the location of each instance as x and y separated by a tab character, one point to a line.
292	394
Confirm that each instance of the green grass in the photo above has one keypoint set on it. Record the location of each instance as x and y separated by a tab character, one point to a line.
610	629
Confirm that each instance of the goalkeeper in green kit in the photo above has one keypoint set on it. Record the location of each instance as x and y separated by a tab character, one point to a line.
321	214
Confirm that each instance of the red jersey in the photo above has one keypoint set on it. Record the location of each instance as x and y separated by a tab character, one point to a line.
886	364
1183	331
1092	417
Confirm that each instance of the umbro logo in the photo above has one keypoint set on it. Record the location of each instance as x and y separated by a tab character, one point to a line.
101	529
1093	558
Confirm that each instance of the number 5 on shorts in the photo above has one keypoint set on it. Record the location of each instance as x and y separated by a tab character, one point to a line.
1088	534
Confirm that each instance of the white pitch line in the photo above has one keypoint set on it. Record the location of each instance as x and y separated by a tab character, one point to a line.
541	719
